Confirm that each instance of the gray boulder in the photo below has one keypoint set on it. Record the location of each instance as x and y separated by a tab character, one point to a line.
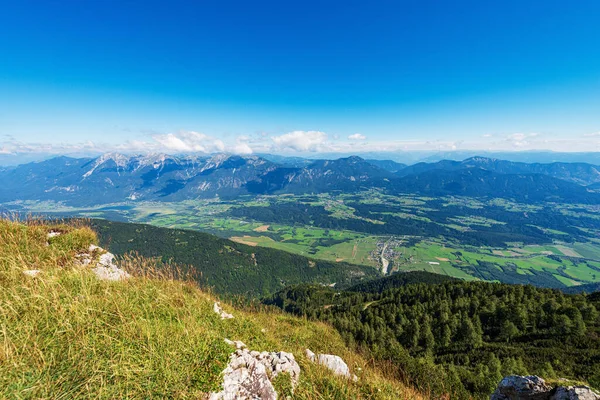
517	387
574	393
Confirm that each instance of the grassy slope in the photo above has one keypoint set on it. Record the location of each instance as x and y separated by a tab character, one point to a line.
65	334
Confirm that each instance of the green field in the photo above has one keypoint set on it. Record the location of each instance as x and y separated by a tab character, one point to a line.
555	263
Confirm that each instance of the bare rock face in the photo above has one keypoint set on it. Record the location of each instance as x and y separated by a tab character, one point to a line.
574	393
516	387
248	374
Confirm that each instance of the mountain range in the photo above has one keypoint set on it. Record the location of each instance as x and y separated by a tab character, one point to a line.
580	173
115	177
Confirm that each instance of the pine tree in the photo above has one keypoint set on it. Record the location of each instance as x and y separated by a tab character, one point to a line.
508	331
427	336
446	338
469	334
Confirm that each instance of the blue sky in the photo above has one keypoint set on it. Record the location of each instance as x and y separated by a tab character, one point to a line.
302	77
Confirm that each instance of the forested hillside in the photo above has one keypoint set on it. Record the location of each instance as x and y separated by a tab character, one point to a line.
459	336
229	267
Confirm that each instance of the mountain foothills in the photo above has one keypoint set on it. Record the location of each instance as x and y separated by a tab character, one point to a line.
115	178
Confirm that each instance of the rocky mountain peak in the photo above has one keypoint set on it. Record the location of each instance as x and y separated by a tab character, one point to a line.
120	160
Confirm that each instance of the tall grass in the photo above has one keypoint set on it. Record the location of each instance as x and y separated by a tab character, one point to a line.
65	334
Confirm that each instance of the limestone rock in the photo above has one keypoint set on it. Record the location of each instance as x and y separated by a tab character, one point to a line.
516	387
32	272
532	387
332	362
574	393
224	315
106	269
248	374
311	356
245	378
52	234
112	273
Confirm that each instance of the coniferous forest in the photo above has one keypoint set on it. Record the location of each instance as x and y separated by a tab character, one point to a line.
460	337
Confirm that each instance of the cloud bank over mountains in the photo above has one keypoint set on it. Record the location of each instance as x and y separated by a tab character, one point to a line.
304	142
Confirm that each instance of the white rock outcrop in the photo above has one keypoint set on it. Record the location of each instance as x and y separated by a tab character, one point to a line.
332	362
224	315
248	374
105	269
517	387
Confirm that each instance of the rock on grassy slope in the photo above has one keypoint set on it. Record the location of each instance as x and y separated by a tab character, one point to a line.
64	333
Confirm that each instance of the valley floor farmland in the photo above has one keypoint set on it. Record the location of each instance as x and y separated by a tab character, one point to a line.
552	245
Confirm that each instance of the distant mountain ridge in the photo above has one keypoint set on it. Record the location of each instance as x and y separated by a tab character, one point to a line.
113	178
580	173
479	182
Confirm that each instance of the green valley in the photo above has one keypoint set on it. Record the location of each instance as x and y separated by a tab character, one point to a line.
545	244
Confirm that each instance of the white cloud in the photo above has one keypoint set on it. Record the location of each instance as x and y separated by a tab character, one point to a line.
181	142
172	142
521	136
302	141
189	141
241	146
521	140
357	136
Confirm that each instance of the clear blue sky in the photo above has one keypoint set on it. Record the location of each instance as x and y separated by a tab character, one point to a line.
299	76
